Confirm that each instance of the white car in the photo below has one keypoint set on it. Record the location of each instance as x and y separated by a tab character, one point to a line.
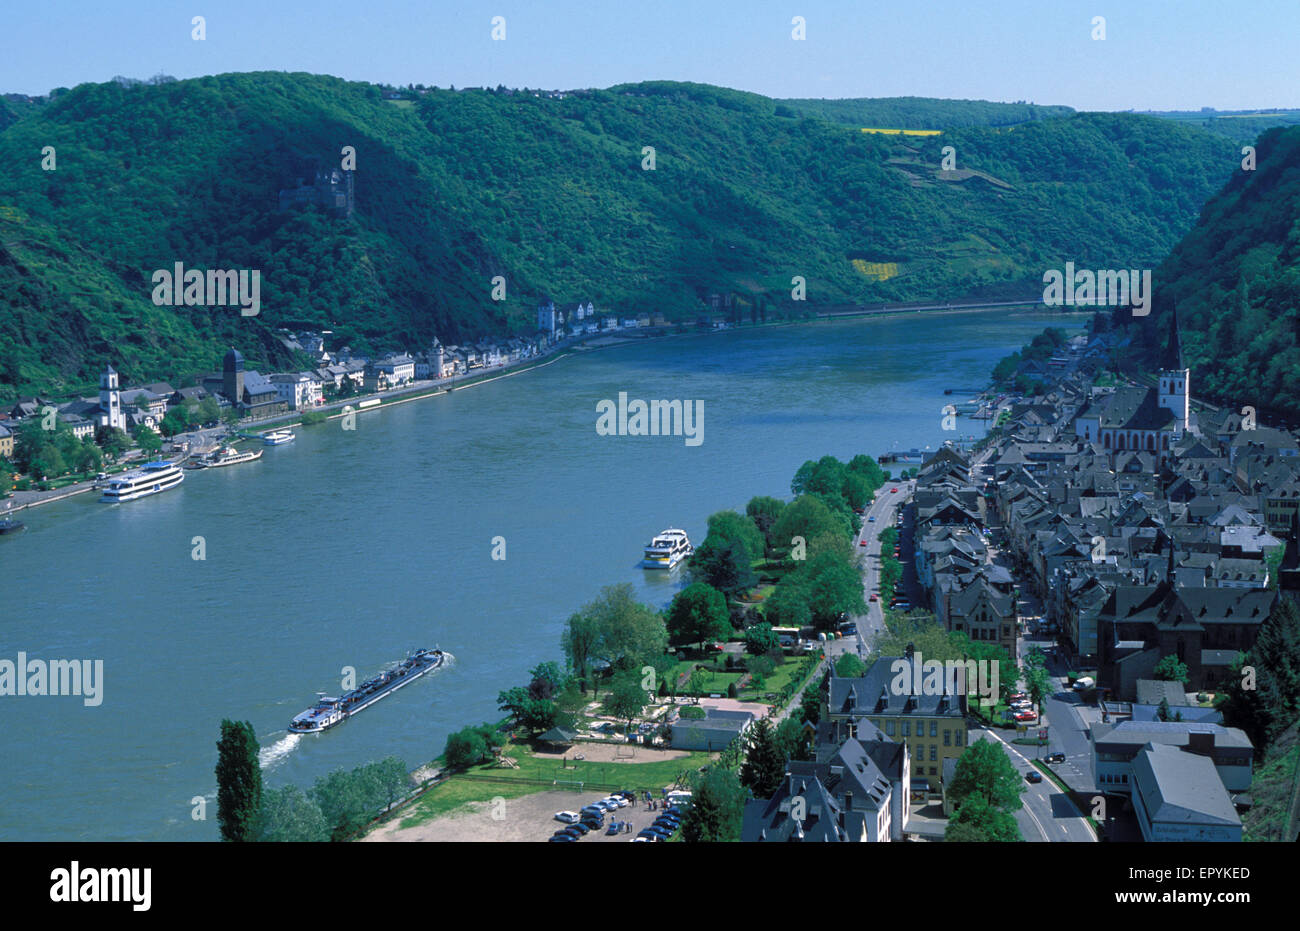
605	803
619	801
568	817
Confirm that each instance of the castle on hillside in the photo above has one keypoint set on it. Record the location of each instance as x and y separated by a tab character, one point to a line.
329	189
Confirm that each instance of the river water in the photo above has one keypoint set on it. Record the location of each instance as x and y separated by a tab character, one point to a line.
348	548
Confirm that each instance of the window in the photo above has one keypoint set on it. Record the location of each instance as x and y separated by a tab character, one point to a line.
934	755
934	728
907	729
947	738
889	728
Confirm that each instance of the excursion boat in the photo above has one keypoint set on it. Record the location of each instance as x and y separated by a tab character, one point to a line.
667	549
228	455
150	479
328	712
277	438
9	525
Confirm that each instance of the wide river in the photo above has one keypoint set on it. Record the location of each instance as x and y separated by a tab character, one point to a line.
348	548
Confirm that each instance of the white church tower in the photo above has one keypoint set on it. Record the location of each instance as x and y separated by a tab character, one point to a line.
110	401
1174	390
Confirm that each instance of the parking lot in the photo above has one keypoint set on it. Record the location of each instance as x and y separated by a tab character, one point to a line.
635	812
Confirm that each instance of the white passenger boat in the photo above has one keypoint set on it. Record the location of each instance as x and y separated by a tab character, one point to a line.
228	455
277	438
150	479
667	549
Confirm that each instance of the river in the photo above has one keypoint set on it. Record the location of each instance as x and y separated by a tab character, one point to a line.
347	548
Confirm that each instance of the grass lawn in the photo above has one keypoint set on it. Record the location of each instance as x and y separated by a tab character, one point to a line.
538	775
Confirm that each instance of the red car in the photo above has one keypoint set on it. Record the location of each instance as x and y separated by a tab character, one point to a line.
893	491
862	543
1024	716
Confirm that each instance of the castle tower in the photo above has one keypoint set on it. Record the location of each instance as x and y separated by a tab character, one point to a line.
232	378
110	401
1174	379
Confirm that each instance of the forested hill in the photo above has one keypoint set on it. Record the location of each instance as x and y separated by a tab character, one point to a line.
548	191
1235	279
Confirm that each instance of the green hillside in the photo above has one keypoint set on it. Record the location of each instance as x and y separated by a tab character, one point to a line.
1235	279
547	191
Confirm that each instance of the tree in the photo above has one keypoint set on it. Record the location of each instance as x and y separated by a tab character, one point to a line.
698	613
465	748
147	440
792	740
1262	693
976	820
209	411
810	706
239	782
1172	669
728	526
764	767
393	778
717	807
115	443
1034	671
347	800
849	666
760	640
581	641
1162	710
984	771
614	628
788	606
547	680
764	511
289	816
626	697
725	565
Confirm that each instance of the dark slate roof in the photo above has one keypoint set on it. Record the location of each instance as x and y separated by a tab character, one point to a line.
874	694
770	821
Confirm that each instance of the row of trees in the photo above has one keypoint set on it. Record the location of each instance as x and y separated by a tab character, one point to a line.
336	807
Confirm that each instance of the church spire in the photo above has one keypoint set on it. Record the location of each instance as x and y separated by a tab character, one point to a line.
1173	354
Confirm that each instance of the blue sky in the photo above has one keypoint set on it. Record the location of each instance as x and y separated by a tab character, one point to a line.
1158	54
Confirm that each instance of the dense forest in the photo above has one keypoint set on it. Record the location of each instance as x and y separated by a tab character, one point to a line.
547	190
1235	280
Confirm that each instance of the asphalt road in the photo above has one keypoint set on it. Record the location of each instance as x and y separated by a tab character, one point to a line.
883	510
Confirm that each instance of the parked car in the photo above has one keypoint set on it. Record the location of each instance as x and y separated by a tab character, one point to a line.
647	834
561	838
1034	776
1056	757
874	597
568	817
614	827
1025	716
581	828
1084	684
893	491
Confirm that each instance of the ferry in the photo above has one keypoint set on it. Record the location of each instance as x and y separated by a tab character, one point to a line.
667	549
277	438
228	455
327	712
152	478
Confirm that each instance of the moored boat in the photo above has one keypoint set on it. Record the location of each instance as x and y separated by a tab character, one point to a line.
277	437
150	479
228	455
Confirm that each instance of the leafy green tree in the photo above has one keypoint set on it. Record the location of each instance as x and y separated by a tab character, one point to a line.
1172	669
147	440
698	613
581	641
975	820
788	605
760	640
985	772
1037	681
729	526
289	816
465	748
546	680
393	778
239	782
209	411
792	740
115	443
764	767
725	565
849	666
765	511
810	706
808	517
347	800
1262	693
626	697
717	807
